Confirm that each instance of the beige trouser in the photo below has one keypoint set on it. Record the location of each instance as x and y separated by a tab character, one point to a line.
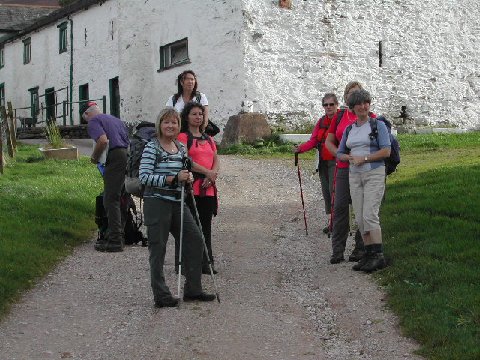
366	190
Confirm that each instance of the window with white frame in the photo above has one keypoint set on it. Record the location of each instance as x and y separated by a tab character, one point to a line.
174	54
27	50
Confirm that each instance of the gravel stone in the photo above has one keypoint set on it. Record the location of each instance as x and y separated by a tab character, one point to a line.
281	298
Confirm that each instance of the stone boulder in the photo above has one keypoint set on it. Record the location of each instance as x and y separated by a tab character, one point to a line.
246	128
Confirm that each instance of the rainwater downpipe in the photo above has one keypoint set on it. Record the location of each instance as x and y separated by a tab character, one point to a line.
71	70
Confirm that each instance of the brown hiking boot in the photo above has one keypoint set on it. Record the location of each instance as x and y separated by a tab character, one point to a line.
375	262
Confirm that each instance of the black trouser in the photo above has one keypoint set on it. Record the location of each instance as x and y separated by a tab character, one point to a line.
206	206
113	180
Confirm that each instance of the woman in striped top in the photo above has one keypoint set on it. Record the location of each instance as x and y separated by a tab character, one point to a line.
162	174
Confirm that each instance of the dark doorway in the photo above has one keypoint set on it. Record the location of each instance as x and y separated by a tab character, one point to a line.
114	97
82	97
50	105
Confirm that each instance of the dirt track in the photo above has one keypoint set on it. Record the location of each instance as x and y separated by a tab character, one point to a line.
281	299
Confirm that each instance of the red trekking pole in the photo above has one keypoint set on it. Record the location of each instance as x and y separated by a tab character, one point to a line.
301	192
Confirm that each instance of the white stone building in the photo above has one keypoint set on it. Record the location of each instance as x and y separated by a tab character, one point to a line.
250	55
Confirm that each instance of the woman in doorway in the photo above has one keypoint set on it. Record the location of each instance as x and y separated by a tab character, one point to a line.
203	152
326	161
365	152
161	171
187	91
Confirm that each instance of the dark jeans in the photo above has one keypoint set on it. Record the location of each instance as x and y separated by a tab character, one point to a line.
113	180
326	171
341	226
206	206
162	217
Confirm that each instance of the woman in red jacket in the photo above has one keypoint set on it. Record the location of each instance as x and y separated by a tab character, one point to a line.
326	162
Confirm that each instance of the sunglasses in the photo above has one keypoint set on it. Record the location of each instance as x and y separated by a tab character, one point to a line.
329	104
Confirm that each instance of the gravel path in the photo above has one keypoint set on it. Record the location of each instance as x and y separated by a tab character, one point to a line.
281	299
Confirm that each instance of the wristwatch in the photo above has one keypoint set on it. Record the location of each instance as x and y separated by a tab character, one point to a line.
366	158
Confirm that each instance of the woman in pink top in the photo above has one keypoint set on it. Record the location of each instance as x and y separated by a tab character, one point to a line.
340	213
203	152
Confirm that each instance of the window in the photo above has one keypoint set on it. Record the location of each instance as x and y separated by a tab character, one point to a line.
27	51
62	37
2	58
114	97
174	54
34	103
2	94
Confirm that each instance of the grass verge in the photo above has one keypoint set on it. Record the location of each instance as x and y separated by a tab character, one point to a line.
430	222
47	208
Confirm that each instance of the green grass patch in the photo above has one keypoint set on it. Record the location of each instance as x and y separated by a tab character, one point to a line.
47	208
430	222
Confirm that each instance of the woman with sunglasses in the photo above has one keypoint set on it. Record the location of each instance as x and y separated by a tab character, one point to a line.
326	162
365	152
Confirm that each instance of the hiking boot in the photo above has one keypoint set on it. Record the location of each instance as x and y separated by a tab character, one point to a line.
375	262
336	259
356	255
326	229
114	246
200	297
100	244
361	263
167	302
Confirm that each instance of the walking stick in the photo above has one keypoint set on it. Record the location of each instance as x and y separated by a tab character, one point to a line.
301	192
212	275
182	201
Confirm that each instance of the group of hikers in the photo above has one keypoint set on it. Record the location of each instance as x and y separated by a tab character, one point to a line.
166	173
352	147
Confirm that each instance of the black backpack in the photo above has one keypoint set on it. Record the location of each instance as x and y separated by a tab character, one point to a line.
393	160
131	220
145	131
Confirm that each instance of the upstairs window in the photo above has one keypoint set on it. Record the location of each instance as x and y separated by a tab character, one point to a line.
174	54
62	37
2	94
27	50
2	58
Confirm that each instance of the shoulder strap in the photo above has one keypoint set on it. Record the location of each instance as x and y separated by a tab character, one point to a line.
339	117
198	97
322	122
175	99
180	147
189	139
373	127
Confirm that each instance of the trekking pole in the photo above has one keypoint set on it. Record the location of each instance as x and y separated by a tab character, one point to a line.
182	201
212	275
301	192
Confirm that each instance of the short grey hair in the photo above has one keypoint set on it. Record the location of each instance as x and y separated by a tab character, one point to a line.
359	97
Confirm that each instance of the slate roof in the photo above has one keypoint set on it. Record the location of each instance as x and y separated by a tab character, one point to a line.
46	19
15	18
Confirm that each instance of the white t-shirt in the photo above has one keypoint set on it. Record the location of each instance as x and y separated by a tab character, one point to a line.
180	104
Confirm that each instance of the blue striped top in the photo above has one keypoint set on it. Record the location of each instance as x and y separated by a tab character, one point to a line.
156	164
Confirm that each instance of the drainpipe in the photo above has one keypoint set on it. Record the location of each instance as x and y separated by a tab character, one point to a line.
71	71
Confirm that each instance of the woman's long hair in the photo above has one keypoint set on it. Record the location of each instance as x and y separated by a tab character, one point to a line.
186	111
180	78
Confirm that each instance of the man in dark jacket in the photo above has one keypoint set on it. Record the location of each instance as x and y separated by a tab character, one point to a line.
111	142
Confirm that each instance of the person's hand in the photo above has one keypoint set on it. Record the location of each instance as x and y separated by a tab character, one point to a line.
295	149
207	183
211	175
184	176
357	160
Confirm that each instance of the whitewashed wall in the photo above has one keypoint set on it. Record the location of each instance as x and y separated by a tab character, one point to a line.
95	60
430	64
215	49
251	55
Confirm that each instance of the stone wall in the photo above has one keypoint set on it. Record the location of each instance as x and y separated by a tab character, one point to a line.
430	54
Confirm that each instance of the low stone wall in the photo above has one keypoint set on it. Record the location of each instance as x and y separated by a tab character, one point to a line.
68	132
